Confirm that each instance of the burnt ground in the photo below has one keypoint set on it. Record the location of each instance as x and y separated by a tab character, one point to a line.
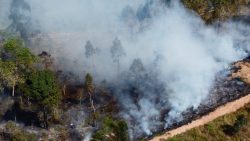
226	89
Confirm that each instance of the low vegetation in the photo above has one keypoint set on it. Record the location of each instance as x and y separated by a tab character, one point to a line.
112	130
213	10
233	127
17	134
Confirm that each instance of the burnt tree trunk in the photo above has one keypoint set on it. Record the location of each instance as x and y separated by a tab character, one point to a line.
13	90
91	102
45	118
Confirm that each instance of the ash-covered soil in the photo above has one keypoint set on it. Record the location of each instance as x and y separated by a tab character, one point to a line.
228	86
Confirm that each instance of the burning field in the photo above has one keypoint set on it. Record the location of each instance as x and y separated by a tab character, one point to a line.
230	88
155	64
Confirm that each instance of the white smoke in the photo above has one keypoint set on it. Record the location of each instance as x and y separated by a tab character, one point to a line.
191	52
4	12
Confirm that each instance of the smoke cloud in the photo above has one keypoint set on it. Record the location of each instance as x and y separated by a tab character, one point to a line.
171	58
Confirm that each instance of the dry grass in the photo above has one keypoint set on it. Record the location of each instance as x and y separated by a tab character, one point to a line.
213	10
214	130
243	71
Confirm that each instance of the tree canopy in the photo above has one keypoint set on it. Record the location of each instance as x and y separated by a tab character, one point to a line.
15	61
42	88
15	50
89	83
112	130
117	50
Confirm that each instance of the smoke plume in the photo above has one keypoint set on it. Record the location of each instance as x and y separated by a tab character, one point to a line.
170	56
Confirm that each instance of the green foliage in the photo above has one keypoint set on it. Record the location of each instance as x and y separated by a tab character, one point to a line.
5	35
15	63
42	88
12	45
9	75
23	136
234	126
19	53
220	2
89	83
17	134
10	126
239	123
112	130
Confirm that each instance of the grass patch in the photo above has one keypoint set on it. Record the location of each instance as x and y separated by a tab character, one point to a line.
237	123
17	134
112	130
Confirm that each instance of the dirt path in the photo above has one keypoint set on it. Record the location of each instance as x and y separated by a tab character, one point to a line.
220	111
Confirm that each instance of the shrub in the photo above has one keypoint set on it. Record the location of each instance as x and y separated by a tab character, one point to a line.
112	130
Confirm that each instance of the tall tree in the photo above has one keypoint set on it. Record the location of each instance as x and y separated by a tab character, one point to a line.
90	51
65	79
117	52
16	62
89	88
137	66
19	17
137	70
9	75
15	50
43	89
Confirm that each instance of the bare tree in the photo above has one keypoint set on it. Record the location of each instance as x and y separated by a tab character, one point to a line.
90	51
65	79
46	60
137	66
117	52
137	69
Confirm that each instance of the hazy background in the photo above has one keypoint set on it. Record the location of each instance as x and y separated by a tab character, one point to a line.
179	52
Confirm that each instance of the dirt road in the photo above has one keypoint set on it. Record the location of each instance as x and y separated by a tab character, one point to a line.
220	111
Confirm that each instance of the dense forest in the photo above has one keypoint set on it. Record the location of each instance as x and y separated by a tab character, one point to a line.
40	95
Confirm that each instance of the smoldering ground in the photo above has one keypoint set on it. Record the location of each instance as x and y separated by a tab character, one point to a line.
170	56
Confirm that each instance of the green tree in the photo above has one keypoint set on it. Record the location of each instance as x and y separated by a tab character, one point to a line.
16	62
89	87
112	130
9	75
15	50
42	88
